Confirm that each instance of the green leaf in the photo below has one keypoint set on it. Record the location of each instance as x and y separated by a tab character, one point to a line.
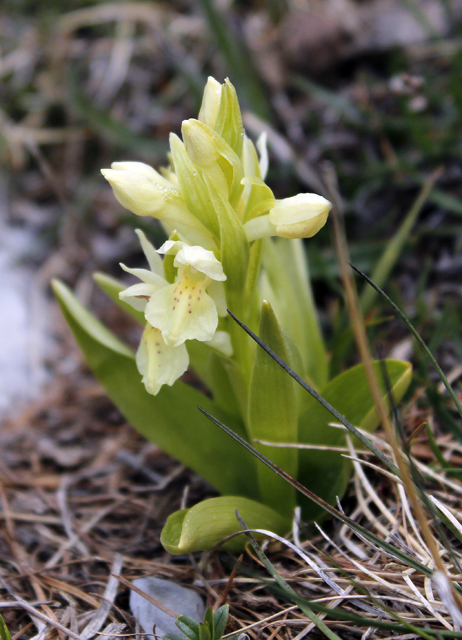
394	248
337	415
189	627
273	414
290	295
207	523
220	618
112	287
95	331
205	632
209	622
193	189
4	633
234	246
326	473
169	419
229	122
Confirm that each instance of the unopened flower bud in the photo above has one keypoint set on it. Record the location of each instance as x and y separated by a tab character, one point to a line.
145	170
137	192
210	107
199	143
301	216
148	197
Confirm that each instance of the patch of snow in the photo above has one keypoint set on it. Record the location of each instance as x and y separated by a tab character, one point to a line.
23	317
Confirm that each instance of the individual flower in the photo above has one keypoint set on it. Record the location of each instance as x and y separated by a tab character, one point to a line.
176	312
301	216
184	310
145	192
142	190
158	362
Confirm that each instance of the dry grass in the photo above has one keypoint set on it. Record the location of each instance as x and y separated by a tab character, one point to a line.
84	498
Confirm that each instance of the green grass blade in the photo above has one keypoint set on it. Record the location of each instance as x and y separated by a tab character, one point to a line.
338	416
288	591
394	247
371	537
4	633
419	340
435	448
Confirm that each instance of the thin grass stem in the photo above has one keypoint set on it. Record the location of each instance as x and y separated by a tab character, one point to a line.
416	335
366	442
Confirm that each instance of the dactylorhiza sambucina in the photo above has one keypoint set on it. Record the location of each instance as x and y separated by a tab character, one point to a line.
213	204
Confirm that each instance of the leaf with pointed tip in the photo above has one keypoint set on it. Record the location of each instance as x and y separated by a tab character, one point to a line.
220	618
273	414
4	633
229	122
189	627
291	297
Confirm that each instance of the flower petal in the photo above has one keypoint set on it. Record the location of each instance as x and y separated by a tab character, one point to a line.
138	295
171	247
221	342
153	258
183	311
159	363
263	151
216	291
201	260
146	276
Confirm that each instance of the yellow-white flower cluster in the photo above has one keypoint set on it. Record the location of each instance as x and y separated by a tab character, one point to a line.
211	199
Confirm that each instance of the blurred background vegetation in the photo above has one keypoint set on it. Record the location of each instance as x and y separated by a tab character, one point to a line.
371	86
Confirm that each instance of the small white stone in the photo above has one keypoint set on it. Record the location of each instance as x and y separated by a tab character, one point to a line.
178	599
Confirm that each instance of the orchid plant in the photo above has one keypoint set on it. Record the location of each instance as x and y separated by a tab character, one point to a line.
231	245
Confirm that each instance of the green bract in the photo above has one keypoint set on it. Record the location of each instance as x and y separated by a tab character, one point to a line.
219	216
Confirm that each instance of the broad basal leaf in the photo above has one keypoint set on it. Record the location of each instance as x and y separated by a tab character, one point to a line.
207	523
273	414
